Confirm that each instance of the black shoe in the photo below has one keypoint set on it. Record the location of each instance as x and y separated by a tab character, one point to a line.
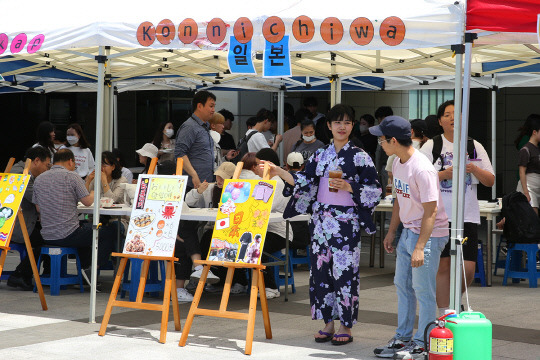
16	281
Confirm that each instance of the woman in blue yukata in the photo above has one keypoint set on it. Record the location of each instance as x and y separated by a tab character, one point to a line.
339	208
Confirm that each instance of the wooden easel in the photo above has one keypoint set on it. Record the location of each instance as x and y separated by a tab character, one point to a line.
170	283
27	243
257	286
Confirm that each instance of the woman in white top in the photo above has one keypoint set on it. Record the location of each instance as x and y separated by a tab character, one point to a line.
164	141
77	143
146	154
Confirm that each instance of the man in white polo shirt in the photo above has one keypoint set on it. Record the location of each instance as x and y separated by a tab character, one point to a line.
420	208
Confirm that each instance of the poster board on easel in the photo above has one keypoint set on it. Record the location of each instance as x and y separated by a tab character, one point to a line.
163	200
242	220
227	238
12	190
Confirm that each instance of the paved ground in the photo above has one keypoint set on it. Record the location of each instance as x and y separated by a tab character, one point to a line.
63	332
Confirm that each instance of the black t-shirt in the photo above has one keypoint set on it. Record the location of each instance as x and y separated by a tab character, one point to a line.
227	141
529	156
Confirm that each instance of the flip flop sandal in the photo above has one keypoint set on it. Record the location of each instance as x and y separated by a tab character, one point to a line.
327	337
337	342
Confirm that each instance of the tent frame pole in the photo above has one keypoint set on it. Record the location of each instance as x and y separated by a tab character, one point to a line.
281	119
456	232
494	89
101	59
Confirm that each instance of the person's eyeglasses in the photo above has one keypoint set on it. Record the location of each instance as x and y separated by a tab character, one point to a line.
380	141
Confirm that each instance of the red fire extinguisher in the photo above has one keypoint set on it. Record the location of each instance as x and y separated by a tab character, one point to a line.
441	340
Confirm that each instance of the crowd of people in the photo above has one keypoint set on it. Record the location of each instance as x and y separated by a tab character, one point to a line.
334	166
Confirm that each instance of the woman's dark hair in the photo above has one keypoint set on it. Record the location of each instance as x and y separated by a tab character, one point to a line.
43	135
108	157
158	137
60	136
268	154
216	196
83	143
369	119
119	157
442	108
338	112
249	160
531	123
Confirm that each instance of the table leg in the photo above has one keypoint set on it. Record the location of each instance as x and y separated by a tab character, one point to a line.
489	274
381	247
286	260
372	247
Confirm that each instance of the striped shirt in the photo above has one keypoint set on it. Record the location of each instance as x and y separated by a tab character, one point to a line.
57	193
193	139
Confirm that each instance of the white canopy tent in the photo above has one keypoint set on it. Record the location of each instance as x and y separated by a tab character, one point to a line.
112	42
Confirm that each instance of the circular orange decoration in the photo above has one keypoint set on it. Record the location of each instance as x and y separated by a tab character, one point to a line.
331	30
165	31
216	30
146	33
243	30
303	29
159	233
392	31
273	29
188	31
361	31
161	224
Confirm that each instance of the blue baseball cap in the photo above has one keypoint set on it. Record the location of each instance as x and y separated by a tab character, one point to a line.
392	127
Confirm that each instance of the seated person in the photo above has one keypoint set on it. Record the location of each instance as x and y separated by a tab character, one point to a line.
41	162
56	194
111	178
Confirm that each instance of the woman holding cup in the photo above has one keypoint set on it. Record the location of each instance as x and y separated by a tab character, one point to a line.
336	220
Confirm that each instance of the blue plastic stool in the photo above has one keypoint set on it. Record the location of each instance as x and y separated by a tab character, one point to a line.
280	279
513	268
58	277
296	259
480	274
153	284
21	248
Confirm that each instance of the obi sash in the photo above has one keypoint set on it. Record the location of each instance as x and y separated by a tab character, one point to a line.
341	197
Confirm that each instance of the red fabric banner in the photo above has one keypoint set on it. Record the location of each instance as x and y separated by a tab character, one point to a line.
503	15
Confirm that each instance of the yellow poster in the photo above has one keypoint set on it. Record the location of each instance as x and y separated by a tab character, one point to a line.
242	220
12	188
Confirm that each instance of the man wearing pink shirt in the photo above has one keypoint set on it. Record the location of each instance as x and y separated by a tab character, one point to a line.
420	208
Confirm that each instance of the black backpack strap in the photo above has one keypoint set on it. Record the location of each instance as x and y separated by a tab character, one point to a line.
437	148
250	135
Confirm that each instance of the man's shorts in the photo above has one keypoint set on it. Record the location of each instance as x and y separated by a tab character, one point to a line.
470	248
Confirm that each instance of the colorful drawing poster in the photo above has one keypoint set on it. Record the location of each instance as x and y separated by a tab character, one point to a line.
155	216
242	220
12	188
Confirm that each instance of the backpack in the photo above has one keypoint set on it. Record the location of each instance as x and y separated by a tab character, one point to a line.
522	225
242	147
437	148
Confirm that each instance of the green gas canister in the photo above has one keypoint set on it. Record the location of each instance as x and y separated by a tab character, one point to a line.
472	336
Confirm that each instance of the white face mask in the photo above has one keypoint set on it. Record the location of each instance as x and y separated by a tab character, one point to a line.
308	138
363	128
72	140
169	133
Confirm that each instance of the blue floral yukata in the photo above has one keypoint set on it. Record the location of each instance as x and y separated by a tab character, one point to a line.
335	229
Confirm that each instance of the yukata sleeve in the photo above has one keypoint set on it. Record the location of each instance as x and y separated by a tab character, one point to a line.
366	189
304	191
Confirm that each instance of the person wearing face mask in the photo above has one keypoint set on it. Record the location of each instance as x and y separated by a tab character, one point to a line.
308	144
216	129
80	147
164	141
